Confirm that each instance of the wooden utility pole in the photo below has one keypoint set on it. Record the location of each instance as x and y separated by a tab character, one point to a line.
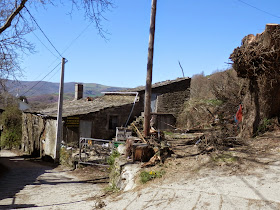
148	90
59	114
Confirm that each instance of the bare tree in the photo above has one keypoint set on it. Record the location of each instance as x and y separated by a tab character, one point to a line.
15	24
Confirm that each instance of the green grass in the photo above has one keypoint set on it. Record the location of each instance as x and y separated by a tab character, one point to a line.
228	158
168	133
263	126
112	157
214	102
65	157
146	176
111	188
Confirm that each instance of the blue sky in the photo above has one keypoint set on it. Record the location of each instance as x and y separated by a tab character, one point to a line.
200	34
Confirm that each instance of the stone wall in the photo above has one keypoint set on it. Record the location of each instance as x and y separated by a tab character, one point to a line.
33	128
172	102
170	98
101	119
38	135
48	145
100	122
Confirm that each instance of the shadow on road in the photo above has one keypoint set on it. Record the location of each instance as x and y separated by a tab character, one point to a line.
16	173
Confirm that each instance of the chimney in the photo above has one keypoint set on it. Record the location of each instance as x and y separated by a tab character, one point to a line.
79	89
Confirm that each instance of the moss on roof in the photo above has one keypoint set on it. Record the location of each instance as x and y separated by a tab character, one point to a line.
80	107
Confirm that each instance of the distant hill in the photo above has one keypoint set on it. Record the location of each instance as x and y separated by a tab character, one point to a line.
47	92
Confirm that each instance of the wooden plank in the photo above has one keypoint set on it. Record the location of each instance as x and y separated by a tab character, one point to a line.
139	133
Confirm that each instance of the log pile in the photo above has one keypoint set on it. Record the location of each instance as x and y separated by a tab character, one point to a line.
151	150
258	61
258	55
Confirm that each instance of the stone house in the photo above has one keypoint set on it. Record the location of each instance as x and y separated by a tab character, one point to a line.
81	118
167	101
98	118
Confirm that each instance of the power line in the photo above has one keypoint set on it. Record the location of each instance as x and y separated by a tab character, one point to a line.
45	83
40	42
43	32
38	37
47	68
74	40
259	9
44	45
71	43
41	79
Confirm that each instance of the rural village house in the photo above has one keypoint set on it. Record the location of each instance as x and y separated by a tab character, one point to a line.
98	118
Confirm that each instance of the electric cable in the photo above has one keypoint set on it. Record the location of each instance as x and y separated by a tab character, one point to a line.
45	83
74	40
38	37
259	9
42	79
60	54
43	32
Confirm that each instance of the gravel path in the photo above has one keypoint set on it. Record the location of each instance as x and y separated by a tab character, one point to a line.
259	191
32	185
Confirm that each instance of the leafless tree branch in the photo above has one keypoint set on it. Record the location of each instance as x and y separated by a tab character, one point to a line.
12	16
14	25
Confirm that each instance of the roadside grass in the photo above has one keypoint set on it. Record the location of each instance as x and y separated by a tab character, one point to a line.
224	157
115	172
111	188
214	102
168	133
66	157
146	176
263	126
111	159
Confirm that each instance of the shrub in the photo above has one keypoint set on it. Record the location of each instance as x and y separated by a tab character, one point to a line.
228	158
263	126
115	173
112	188
214	98
11	121
66	157
214	102
112	157
147	176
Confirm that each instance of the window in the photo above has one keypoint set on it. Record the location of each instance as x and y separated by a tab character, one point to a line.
113	122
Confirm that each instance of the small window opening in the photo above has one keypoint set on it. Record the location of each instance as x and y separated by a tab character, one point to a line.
113	122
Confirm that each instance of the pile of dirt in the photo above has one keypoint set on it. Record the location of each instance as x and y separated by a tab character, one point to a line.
239	157
92	174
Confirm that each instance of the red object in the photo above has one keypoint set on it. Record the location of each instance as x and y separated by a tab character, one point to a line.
238	115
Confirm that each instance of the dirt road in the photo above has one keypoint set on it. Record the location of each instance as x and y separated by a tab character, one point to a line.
244	178
211	192
31	185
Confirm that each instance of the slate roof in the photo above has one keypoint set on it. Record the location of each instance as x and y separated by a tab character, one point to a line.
158	84
80	107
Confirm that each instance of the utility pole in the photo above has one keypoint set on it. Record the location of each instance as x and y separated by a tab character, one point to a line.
148	90
59	114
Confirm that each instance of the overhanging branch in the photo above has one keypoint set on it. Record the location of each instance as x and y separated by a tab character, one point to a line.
12	16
